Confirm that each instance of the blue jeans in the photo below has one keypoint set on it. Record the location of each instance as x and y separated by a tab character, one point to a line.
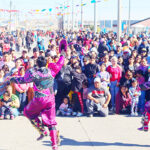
22	99
15	112
113	90
142	101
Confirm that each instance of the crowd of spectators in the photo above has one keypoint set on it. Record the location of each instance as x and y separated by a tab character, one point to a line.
100	75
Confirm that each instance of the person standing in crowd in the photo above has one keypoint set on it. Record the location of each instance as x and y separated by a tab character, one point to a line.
116	74
76	86
63	79
21	90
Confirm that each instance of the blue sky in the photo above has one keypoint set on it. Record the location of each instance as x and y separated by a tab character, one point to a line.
140	9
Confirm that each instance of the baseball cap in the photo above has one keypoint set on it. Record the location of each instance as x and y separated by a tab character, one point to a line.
97	80
144	49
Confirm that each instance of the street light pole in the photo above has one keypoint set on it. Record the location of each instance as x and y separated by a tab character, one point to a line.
10	16
119	21
81	14
72	15
95	18
129	17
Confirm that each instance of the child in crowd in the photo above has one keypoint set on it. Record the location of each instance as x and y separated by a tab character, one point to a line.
76	86
104	75
6	107
64	108
134	92
123	100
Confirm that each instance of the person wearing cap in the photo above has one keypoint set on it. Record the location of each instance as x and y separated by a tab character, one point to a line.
143	45
41	53
98	96
144	52
119	50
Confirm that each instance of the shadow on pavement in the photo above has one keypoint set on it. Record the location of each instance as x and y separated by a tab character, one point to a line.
71	142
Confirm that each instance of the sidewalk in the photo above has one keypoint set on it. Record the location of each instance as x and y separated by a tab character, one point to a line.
111	133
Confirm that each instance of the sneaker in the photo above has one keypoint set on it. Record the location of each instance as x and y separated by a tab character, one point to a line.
54	147
42	136
7	117
136	114
68	114
79	114
112	110
12	117
58	113
132	114
141	129
90	115
1	117
74	114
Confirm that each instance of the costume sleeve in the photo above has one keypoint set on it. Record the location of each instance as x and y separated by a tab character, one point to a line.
56	67
17	87
28	78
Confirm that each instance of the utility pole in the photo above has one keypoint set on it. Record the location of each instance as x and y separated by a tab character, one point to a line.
81	14
95	18
72	15
10	17
68	15
129	17
119	21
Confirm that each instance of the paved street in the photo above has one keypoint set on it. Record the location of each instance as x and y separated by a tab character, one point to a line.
112	133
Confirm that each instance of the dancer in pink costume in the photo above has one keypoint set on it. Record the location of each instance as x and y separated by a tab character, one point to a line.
43	102
146	117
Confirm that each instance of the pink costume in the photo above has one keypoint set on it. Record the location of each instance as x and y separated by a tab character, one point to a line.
146	117
43	102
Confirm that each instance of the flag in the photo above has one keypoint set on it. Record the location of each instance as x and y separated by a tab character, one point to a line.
93	1
43	10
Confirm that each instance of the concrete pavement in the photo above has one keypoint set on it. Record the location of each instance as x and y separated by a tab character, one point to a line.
112	133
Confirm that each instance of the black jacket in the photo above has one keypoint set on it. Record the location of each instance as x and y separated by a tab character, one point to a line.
90	70
78	79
